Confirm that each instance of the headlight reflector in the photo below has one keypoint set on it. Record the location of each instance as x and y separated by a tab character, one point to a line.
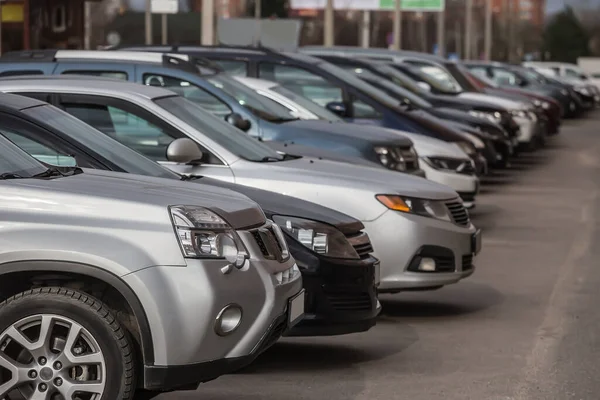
491	116
318	237
204	234
425	208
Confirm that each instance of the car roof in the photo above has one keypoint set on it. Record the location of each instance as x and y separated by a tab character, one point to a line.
17	103
84	84
372	51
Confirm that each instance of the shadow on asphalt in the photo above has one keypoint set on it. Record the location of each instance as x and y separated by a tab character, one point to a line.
474	297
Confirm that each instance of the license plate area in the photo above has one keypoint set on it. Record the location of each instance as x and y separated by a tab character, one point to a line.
476	242
296	308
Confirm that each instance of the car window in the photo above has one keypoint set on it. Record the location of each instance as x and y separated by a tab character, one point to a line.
302	82
132	130
311	106
441	76
479	71
39	151
21	72
16	161
504	77
191	92
233	67
105	74
362	110
571	73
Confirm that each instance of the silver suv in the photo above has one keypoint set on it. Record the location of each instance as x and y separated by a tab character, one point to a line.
109	284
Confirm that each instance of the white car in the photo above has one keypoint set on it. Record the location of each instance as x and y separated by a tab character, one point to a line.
568	71
420	230
443	162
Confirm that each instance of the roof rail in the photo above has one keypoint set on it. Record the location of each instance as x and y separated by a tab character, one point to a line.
30	55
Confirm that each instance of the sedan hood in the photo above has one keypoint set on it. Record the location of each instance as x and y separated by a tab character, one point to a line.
372	134
101	192
278	204
430	147
499	101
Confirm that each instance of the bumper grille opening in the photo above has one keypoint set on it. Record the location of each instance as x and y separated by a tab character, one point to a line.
350	301
467	262
459	213
445	264
361	244
364	250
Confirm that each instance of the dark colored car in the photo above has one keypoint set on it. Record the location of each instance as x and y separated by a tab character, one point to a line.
330	86
225	97
340	293
498	142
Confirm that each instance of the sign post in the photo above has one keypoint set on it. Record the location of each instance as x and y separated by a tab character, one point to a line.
163	7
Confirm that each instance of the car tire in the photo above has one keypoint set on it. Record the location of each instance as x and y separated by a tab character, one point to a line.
96	355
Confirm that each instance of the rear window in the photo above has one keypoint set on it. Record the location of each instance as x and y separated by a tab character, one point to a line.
105	74
21	72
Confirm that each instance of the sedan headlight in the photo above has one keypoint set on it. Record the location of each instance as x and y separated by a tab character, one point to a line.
450	164
318	237
204	234
397	159
425	208
468	148
495	117
541	104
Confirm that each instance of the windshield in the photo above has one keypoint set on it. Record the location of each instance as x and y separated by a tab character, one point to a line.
389	87
359	84
217	130
16	161
119	154
440	79
311	106
399	78
260	106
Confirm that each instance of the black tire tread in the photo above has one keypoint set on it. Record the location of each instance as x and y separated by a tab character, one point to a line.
101	310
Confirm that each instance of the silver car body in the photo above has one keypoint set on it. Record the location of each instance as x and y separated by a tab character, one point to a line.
396	236
120	223
426	147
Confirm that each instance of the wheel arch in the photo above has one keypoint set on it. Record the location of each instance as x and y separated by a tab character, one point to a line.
34	268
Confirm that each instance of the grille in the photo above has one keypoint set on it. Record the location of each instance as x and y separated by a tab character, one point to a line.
261	244
467	262
269	243
459	213
350	301
444	264
362	244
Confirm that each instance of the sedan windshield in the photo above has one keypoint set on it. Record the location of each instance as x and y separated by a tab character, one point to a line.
106	147
17	163
260	106
217	130
440	79
311	106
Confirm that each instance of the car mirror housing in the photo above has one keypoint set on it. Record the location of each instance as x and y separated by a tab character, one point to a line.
238	121
184	151
338	108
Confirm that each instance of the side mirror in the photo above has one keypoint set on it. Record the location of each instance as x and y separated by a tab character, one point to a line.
184	151
424	85
337	107
238	121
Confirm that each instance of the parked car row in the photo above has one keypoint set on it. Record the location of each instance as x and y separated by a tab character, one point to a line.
170	212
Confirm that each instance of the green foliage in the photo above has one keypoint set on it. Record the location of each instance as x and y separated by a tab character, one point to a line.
565	38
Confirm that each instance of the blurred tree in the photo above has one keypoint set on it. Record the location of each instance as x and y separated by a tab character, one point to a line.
565	39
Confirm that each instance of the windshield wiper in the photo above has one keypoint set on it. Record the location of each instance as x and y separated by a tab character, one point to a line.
55	172
9	175
271	159
190	177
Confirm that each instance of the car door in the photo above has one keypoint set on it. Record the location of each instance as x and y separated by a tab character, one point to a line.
140	130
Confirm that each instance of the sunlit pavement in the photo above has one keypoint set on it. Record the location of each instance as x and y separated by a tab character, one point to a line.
524	326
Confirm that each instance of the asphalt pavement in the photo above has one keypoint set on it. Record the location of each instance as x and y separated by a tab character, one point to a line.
526	325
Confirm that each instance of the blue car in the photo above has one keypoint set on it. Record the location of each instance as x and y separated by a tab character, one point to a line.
222	95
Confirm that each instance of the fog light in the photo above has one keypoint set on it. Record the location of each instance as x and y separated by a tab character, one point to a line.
427	264
228	320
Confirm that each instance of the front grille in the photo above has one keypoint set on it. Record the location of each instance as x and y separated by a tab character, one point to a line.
350	301
362	244
269	243
459	213
261	244
467	262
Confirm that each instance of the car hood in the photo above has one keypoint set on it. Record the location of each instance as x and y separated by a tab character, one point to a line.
274	203
100	193
373	134
430	147
497	100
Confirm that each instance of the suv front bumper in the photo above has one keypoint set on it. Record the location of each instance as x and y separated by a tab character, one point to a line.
341	295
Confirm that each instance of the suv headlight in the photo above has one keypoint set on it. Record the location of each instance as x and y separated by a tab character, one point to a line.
425	208
449	164
204	234
495	117
396	158
541	104
318	237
